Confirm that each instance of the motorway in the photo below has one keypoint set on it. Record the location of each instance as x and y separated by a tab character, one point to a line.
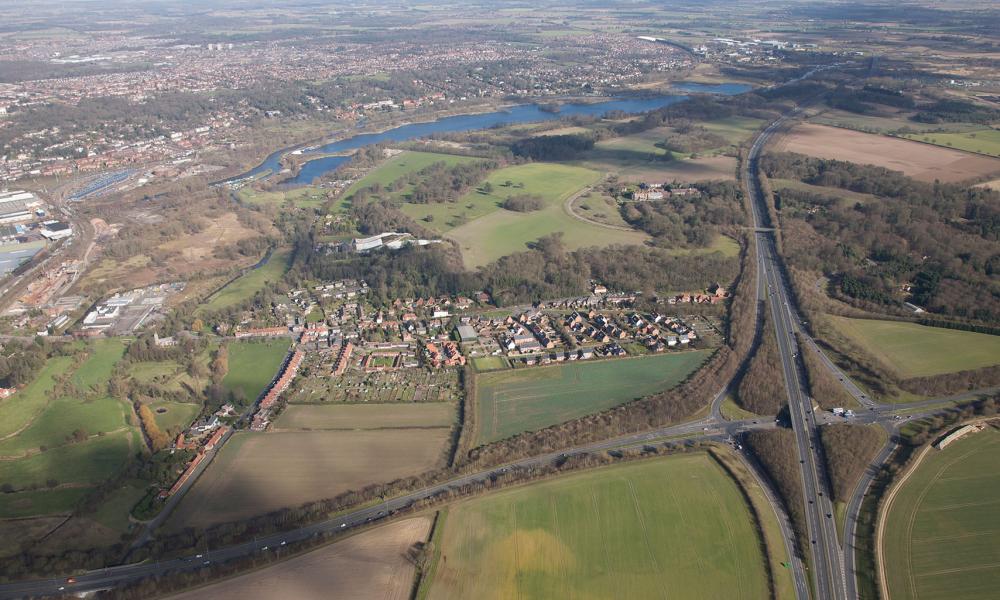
828	572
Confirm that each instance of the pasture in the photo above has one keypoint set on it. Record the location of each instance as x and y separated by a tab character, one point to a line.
675	526
252	365
942	535
244	287
493	232
371	564
514	401
22	408
403	164
981	141
920	161
366	416
269	471
916	350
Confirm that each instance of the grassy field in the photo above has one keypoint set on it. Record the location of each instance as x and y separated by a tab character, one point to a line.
247	285
847	195
174	415
40	502
722	243
367	416
371	564
306	196
490	363
942	536
94	373
983	141
86	463
492	232
268	471
22	408
61	418
252	365
916	350
676	524
509	402
404	164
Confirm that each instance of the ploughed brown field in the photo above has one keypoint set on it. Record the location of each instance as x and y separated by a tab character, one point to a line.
920	161
370	565
256	473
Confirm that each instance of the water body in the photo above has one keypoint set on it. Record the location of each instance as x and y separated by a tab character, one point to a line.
725	89
523	113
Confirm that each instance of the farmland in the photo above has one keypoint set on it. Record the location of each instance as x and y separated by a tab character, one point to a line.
245	286
920	161
942	537
371	564
367	416
916	350
492	232
252	365
510	402
268	471
982	141
631	531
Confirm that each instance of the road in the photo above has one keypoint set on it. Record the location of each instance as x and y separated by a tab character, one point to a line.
827	558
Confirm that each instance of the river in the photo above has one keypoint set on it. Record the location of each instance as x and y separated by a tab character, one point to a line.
522	113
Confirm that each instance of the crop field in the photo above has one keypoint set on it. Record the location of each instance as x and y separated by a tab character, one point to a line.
942	535
367	416
675	526
252	365
403	164
982	141
497	232
244	287
268	471
917	350
371	564
920	161
510	402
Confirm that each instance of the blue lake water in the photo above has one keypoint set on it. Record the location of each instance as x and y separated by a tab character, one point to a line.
523	113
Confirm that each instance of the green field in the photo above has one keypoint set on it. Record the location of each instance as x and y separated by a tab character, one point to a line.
510	402
40	502
87	463
62	417
916	350
982	141
252	365
673	527
20	409
178	415
245	286
942	534
490	363
94	373
306	196
404	164
492	232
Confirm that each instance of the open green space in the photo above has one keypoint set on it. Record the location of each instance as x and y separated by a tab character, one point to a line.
675	526
917	350
510	402
490	363
490	232
252	365
174	415
64	416
982	141
942	534
89	462
306	196
722	243
95	372
403	164
833	192
19	505
20	409
244	287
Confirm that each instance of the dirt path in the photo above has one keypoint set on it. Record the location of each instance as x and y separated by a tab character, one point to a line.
568	208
